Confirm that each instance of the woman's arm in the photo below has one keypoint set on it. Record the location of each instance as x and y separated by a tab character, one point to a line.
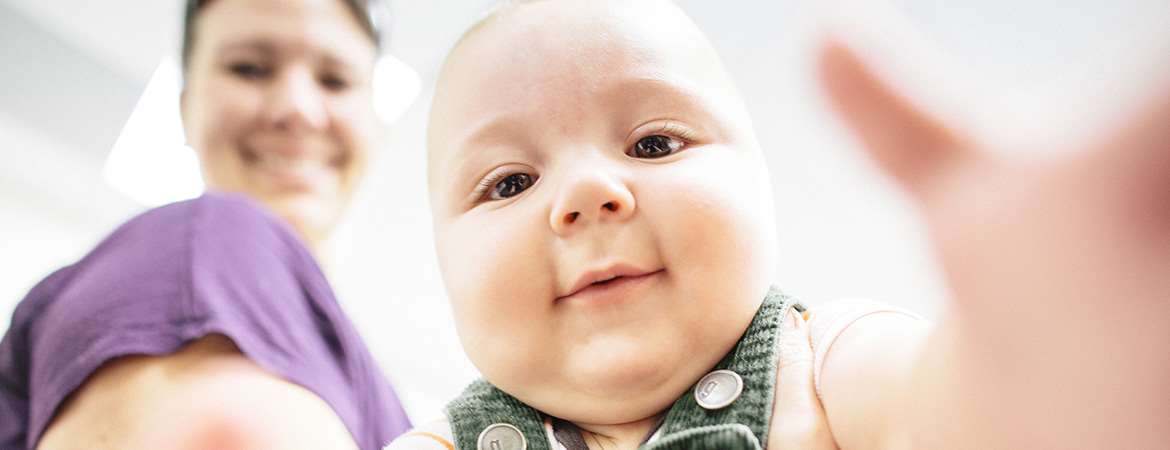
206	395
798	417
435	435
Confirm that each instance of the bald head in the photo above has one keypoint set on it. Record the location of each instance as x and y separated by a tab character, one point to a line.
545	56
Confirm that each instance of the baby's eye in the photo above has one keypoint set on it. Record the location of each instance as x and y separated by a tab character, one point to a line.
511	186
655	146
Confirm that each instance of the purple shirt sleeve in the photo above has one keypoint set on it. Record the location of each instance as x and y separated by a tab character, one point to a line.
216	264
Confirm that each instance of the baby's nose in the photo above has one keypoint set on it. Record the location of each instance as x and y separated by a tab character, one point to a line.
592	199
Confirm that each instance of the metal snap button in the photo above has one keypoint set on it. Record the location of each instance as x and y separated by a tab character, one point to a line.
501	436
718	389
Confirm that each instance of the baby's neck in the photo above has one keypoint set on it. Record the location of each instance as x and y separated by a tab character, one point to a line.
622	436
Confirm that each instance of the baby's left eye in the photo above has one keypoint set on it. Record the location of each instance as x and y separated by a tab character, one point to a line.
655	146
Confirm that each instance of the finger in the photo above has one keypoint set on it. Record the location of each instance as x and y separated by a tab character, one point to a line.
909	144
798	420
795	388
1136	158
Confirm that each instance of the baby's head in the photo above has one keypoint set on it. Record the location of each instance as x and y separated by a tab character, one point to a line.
572	141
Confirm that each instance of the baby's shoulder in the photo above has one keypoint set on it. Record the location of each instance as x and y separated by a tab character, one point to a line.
830	320
827	320
433	435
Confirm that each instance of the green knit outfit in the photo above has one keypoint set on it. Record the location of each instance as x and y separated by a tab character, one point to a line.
742	425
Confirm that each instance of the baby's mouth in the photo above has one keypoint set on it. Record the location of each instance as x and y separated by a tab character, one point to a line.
610	281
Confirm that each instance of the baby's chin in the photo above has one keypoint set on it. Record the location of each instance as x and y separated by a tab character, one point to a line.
624	381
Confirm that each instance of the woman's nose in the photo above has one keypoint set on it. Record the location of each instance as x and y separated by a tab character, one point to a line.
296	103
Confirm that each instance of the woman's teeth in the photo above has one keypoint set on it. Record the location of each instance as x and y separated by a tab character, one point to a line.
293	172
283	163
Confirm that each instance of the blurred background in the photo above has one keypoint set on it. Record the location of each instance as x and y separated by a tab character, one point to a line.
89	135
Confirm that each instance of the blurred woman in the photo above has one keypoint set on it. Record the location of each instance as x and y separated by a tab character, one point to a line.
207	323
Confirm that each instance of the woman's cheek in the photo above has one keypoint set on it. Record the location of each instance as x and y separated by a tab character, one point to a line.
355	125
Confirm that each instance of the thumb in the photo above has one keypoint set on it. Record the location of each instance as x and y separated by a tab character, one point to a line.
798	419
907	143
795	387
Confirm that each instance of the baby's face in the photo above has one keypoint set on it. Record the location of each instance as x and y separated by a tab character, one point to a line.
602	210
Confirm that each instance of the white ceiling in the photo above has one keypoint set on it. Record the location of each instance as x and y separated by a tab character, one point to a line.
128	35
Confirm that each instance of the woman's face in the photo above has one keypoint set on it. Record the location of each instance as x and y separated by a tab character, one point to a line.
277	104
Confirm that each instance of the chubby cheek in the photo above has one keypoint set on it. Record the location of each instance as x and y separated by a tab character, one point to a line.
499	278
714	220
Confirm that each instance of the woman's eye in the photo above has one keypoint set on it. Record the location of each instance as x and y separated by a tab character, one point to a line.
511	186
334	83
656	146
249	70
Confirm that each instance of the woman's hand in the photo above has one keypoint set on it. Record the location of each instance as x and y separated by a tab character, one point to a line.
798	420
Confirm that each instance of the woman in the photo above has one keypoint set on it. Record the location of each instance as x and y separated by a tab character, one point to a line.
206	324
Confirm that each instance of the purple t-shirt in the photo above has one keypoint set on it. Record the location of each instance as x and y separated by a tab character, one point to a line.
215	264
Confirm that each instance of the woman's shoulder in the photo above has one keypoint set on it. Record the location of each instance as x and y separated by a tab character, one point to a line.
213	213
161	253
170	230
226	235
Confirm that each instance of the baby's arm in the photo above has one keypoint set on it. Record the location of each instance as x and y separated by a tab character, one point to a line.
434	435
1059	269
864	352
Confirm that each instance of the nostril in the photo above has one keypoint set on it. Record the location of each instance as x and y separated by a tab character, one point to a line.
571	217
610	206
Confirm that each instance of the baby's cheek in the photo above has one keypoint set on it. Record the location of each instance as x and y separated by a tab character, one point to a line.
717	208
714	226
496	277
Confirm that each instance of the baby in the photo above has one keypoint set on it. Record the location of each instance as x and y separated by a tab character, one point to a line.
605	227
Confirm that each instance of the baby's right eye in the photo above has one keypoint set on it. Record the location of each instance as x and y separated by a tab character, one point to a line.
511	186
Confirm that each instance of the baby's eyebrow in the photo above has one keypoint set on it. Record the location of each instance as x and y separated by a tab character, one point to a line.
508	129
668	97
499	129
495	129
654	85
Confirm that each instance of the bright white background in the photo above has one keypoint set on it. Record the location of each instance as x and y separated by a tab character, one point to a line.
1022	73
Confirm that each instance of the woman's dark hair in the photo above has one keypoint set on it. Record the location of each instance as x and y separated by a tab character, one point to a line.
371	14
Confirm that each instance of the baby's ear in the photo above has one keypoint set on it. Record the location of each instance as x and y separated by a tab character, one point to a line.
909	144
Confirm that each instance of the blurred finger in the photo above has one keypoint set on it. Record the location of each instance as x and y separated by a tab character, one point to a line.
1136	159
909	144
